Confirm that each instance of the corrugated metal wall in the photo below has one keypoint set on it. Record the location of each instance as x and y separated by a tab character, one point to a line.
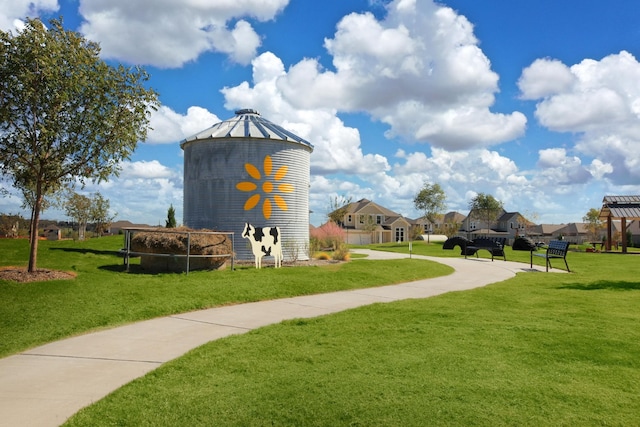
212	171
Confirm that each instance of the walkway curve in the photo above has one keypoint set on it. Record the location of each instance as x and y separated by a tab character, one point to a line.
46	385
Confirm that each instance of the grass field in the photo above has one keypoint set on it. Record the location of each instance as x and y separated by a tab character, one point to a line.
536	350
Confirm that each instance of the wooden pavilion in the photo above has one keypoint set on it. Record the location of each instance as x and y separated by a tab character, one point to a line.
619	208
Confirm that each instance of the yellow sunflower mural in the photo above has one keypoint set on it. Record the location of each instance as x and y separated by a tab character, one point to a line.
269	185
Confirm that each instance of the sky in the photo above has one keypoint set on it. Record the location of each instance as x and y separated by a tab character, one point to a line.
536	103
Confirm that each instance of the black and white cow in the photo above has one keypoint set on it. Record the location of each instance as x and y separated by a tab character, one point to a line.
265	241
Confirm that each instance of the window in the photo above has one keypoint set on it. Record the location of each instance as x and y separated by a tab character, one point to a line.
349	219
378	219
399	234
361	217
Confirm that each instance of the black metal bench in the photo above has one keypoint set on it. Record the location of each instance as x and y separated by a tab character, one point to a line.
495	246
556	249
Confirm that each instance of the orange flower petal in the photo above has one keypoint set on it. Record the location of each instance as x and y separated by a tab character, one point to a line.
281	173
266	208
267	165
252	170
280	202
246	186
285	188
251	202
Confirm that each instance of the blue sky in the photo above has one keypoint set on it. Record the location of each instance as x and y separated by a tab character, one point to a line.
534	102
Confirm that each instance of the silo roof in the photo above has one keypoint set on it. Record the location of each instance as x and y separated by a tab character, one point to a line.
247	123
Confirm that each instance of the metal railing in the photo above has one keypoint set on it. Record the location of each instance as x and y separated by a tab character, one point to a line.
128	253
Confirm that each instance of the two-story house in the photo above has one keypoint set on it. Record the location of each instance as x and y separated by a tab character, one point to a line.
367	222
507	224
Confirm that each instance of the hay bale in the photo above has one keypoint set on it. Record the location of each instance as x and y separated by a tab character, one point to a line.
174	241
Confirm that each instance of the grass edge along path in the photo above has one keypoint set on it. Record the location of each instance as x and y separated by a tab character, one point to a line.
104	296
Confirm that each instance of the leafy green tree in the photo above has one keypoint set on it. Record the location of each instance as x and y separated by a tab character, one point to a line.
78	208
594	224
430	201
486	208
171	217
65	114
99	213
85	210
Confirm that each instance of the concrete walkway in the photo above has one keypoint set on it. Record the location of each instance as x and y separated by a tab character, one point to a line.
46	385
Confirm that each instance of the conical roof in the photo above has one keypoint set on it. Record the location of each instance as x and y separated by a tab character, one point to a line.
247	123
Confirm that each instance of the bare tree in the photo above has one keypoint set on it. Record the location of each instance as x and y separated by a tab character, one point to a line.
338	206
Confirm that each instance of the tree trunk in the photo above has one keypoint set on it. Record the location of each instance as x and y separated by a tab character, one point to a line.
35	222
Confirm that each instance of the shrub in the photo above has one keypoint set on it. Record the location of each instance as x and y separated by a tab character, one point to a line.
328	235
341	253
322	256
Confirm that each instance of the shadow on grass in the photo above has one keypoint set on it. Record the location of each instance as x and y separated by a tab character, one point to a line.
604	285
121	268
87	251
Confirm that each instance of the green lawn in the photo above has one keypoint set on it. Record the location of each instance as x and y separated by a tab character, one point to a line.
103	295
537	350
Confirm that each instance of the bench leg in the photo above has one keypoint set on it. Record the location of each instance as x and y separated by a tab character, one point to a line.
565	263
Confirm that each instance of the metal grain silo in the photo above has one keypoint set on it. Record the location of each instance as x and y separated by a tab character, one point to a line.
248	169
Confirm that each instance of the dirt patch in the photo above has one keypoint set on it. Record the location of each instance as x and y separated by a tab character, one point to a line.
21	275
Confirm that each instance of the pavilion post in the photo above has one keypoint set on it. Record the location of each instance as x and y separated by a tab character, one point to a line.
623	226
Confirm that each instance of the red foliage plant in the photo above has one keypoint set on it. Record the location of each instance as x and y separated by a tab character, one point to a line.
328	235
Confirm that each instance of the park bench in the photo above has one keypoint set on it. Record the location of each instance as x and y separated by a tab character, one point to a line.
556	249
494	245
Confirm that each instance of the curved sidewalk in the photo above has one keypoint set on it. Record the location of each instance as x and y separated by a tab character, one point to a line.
46	385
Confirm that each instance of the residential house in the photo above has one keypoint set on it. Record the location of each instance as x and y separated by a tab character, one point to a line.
367	222
52	232
508	224
449	220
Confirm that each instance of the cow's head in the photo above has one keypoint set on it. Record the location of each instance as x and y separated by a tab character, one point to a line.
248	229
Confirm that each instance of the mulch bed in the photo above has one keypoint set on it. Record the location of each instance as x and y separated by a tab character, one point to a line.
21	275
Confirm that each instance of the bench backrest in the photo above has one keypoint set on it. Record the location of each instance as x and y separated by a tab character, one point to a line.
558	247
487	242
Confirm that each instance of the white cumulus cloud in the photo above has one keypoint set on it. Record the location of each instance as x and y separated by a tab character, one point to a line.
167	126
170	33
420	70
599	101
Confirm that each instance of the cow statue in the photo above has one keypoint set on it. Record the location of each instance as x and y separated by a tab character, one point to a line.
265	241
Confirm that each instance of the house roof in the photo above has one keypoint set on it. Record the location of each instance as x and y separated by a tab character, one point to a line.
453	217
127	224
356	207
617	207
547	228
573	228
